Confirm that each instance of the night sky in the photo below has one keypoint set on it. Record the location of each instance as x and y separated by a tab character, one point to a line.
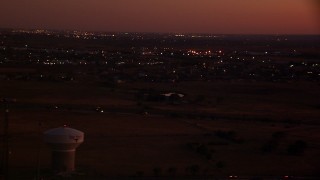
180	16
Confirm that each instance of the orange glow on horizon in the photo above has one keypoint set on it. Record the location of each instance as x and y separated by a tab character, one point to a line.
207	16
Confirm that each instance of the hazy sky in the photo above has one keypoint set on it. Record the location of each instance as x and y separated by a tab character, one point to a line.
205	16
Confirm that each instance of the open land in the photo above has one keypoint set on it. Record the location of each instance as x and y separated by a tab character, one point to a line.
251	127
126	142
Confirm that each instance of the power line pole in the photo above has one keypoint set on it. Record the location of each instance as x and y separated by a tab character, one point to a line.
5	164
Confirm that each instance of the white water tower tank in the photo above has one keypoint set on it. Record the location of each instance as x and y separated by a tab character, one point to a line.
63	142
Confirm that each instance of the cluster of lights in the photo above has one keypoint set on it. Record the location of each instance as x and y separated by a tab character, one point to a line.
196	53
179	35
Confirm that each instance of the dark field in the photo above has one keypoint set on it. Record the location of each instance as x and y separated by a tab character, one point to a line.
171	140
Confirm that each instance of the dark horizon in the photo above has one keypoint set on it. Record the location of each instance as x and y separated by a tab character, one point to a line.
141	32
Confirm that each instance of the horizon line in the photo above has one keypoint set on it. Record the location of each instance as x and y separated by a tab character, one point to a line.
154	32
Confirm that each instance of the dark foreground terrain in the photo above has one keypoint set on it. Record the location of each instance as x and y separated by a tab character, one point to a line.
246	134
172	120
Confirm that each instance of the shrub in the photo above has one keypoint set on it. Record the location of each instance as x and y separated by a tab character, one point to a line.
270	146
172	171
139	173
157	171
278	135
220	164
193	169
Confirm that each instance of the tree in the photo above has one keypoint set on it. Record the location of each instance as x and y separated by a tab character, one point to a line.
297	148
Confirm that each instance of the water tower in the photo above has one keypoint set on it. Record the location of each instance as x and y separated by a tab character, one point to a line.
63	142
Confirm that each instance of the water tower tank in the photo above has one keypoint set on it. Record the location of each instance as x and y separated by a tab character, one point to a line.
63	142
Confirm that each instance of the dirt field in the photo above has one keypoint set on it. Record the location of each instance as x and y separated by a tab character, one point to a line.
220	135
